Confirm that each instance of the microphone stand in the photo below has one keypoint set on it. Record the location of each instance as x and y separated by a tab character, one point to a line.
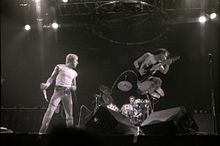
212	92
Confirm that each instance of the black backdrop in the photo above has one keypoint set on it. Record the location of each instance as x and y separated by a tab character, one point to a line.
28	58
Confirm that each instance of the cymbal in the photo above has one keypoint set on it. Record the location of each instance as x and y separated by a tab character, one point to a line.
106	96
107	99
124	86
105	90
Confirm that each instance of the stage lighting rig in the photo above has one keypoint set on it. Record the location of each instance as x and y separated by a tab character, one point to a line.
122	6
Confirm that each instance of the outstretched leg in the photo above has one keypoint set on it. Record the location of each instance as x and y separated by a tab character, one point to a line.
55	99
68	108
47	118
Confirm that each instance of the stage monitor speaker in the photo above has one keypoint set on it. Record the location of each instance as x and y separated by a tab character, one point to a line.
205	122
176	120
107	121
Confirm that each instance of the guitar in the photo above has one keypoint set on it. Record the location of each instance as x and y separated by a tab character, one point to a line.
145	86
145	73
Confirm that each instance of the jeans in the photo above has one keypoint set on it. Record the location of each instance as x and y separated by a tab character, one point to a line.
60	94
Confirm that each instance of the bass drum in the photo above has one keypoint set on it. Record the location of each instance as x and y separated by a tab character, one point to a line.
142	110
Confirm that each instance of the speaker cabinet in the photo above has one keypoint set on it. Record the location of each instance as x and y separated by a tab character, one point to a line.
205	122
106	121
169	121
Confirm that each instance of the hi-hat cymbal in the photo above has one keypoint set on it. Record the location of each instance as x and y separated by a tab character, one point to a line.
124	86
107	99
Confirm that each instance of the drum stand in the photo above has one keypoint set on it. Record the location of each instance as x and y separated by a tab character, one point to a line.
139	132
97	102
80	114
151	104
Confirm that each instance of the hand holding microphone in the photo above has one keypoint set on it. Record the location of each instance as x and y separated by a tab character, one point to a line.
45	95
43	87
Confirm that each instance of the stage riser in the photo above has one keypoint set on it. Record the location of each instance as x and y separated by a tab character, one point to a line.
103	140
205	122
29	120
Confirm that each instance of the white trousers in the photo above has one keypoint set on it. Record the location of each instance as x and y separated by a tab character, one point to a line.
60	94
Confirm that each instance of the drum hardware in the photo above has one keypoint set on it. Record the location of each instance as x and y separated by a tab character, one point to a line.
127	110
137	111
139	132
80	114
97	101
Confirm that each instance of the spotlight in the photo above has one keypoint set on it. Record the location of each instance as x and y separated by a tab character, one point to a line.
55	25
27	27
65	1
202	19
37	1
213	16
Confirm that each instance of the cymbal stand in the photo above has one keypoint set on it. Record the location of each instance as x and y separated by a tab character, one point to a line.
97	101
138	132
151	103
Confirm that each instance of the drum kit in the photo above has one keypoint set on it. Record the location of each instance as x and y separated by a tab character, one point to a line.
136	112
127	110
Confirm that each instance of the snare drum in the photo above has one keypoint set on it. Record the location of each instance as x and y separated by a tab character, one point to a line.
113	107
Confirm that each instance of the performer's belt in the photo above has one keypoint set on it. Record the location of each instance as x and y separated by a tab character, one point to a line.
62	87
66	90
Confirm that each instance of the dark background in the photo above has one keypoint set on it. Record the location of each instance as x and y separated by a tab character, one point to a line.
28	58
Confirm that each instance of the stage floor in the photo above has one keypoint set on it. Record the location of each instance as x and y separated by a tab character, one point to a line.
26	139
